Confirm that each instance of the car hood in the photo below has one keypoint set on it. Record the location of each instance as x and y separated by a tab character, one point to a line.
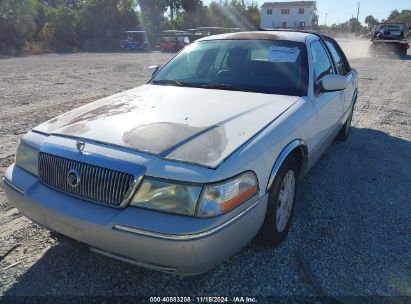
194	125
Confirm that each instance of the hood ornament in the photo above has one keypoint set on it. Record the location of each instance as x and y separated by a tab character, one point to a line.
80	145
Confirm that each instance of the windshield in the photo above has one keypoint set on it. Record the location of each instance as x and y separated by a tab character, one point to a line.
272	67
393	27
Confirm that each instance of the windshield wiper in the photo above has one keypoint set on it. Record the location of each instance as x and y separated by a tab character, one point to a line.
224	86
171	82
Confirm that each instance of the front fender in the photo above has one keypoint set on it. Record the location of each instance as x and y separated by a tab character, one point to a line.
295	144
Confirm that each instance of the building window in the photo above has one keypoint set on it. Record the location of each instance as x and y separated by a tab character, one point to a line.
301	11
285	11
269	11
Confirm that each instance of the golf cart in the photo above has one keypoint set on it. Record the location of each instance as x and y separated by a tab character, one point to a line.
135	41
173	40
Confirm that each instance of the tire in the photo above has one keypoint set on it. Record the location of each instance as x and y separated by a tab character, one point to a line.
402	52
346	128
275	228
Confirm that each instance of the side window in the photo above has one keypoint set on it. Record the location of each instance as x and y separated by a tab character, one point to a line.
342	69
322	64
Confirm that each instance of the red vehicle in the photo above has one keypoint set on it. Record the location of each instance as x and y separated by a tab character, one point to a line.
173	43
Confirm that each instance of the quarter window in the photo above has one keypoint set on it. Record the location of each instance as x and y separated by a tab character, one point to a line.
322	64
340	65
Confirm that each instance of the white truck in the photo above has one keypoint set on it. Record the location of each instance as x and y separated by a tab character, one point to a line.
390	37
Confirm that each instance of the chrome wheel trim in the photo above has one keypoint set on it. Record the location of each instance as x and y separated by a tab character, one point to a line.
285	201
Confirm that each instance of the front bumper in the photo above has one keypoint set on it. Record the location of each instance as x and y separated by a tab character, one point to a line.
165	242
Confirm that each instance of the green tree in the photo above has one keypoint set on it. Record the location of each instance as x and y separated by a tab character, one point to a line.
17	23
152	12
403	17
354	25
371	21
174	7
100	22
393	15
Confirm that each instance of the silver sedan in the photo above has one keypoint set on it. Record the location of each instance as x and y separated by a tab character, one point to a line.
180	173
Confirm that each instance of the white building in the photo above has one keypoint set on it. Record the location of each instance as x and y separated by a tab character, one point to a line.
292	14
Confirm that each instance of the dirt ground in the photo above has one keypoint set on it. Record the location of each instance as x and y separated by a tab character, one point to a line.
352	231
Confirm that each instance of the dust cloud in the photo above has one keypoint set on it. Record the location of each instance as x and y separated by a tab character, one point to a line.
355	47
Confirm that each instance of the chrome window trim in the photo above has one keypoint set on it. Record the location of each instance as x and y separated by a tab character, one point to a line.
185	237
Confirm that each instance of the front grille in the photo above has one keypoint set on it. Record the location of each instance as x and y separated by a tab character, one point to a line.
97	184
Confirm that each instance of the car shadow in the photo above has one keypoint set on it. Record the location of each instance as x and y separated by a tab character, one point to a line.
354	193
394	56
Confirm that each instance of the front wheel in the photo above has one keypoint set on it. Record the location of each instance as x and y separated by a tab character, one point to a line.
280	206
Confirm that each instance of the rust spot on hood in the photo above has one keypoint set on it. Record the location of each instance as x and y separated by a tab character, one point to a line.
179	141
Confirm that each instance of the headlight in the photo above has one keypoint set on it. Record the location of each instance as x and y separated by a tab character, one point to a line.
166	196
27	158
222	197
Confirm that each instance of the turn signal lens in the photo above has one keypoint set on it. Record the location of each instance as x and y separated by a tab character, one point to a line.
222	197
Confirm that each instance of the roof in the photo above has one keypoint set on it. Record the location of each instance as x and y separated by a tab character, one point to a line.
174	31
261	35
289	4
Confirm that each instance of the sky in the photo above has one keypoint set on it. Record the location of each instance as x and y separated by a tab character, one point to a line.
339	11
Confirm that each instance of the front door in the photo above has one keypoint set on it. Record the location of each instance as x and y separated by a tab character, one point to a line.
329	105
343	69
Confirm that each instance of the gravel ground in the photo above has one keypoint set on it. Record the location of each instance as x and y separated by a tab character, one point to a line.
351	234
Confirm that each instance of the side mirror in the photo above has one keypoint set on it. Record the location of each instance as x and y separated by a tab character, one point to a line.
331	83
153	69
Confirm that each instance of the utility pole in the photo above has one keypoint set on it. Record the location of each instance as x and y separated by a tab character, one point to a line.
326	14
198	13
358	15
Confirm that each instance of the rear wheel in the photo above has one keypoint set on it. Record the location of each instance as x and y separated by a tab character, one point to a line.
402	52
280	205
346	128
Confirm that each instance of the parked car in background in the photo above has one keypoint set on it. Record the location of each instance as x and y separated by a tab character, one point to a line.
390	37
182	172
173	43
135	41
